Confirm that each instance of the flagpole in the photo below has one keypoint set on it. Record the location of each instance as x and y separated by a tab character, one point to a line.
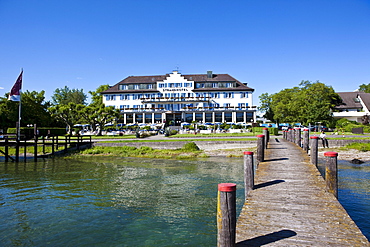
19	113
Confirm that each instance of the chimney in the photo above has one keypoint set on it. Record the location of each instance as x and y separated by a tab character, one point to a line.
209	74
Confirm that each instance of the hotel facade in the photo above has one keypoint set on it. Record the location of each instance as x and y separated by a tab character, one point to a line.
176	98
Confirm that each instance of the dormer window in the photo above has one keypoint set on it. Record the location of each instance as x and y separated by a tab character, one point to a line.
356	100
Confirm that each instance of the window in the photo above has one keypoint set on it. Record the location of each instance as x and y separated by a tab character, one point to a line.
226	105
187	84
136	86
110	97
243	95
356	100
214	84
123	87
125	97
228	95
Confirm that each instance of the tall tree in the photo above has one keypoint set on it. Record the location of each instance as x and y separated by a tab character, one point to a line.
364	88
68	113
266	106
34	110
308	103
97	114
63	96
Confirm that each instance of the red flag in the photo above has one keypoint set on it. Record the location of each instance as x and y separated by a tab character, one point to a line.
15	93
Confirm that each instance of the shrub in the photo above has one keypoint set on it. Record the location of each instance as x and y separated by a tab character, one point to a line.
190	147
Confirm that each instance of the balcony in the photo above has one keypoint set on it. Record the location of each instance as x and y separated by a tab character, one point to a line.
175	99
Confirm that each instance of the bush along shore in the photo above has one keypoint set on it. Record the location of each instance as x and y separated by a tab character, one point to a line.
188	151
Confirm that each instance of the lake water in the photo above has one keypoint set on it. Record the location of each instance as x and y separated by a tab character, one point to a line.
112	201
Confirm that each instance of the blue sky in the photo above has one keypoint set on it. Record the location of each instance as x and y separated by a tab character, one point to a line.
271	44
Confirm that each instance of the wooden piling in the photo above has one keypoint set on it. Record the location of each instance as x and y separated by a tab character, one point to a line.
226	215
260	148
298	136
306	140
265	132
6	149
314	149
248	172
331	172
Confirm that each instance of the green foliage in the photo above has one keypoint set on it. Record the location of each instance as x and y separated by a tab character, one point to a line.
63	96
42	131
34	110
69	114
363	147
364	88
190	147
308	103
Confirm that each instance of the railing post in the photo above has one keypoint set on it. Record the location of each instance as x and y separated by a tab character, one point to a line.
306	140
314	149
331	172
298	136
35	149
290	135
248	172
265	132
260	148
226	215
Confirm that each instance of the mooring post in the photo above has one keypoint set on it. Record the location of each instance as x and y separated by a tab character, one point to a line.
314	149
290	135
331	172
65	144
260	148
226	215
305	139
248	172
25	149
6	149
35	150
298	136
265	132
43	144
52	145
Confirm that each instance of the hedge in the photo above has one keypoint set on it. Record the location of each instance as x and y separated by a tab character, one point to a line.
29	131
272	131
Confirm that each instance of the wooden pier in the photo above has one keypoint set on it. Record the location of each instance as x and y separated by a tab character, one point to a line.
290	206
37	145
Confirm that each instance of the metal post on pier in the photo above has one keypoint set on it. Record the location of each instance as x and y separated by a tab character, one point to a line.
260	148
306	140
331	172
248	172
226	215
314	149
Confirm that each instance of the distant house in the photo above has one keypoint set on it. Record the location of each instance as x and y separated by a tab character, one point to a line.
355	105
174	97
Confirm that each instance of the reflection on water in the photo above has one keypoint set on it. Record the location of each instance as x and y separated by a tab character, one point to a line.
354	191
113	201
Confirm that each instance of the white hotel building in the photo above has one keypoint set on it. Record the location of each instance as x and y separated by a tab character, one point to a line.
182	98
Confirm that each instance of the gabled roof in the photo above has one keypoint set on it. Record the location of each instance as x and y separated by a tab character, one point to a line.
352	100
196	78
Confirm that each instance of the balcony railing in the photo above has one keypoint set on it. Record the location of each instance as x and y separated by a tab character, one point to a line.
190	109
175	99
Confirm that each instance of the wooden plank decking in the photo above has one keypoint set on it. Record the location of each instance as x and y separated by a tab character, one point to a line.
290	207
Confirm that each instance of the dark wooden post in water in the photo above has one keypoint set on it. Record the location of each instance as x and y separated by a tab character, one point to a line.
52	145
25	149
35	150
314	149
65	144
331	172
6	149
226	215
305	140
298	136
248	172
267	136
260	148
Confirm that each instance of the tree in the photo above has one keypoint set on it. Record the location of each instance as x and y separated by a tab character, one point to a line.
68	113
308	103
97	114
364	88
34	110
65	95
266	106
